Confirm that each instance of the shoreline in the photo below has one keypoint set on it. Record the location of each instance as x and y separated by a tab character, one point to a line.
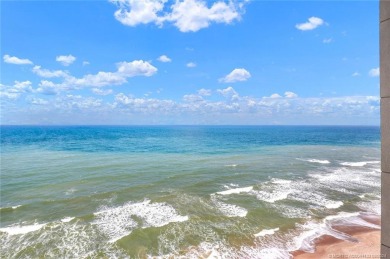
367	246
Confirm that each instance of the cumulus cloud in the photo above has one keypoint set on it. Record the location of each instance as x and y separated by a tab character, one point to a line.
24	86
85	63
191	64
48	73
144	105
15	91
186	15
51	88
275	96
37	101
229	93
124	70
164	59
99	91
237	75
134	12
228	108
193	15
66	60
290	95
311	24
374	72
356	74
16	61
204	92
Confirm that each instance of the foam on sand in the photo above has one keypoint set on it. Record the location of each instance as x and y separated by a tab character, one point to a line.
222	250
120	221
266	232
236	190
313	230
20	230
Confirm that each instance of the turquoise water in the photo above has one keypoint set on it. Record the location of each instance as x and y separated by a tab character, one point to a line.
183	191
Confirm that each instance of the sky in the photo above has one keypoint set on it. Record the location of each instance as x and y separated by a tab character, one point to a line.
189	62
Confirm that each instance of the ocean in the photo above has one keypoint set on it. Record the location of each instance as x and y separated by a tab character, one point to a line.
184	191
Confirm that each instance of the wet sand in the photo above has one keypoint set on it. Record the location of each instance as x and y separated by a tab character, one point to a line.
367	246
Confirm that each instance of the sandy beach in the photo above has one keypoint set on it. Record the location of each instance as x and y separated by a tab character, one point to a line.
368	246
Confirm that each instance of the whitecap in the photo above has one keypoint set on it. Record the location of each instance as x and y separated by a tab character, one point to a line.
274	195
318	161
334	204
20	230
67	219
359	164
236	190
266	232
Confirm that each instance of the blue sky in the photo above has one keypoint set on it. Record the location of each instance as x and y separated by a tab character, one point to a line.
189	62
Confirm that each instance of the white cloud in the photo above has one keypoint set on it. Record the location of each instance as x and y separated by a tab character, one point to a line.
275	96
238	74
98	80
313	23
15	91
99	91
22	87
374	72
136	68
229	93
290	95
186	15
327	40
145	105
192	109
48	73
204	92
124	70
356	74
37	101
16	60
66	60
51	88
193	15
85	63
164	58
191	64
134	12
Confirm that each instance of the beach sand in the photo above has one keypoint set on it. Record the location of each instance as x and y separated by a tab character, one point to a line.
368	246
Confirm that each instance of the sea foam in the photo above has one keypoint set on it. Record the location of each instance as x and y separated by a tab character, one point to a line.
236	190
20	230
359	164
229	210
318	161
119	221
265	232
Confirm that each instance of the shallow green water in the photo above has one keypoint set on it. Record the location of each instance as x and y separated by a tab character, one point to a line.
235	192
